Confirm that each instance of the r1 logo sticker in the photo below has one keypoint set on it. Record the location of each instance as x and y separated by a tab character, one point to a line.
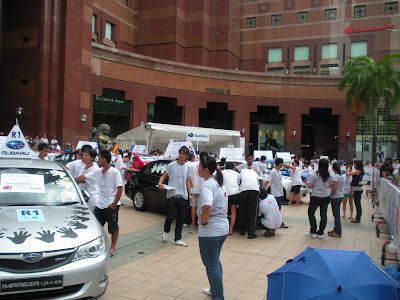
25	215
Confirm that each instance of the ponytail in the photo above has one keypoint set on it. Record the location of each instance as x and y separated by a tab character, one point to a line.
210	164
219	177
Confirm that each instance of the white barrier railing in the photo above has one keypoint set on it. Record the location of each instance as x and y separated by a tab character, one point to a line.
389	207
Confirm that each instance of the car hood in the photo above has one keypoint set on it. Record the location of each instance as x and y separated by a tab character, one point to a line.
46	228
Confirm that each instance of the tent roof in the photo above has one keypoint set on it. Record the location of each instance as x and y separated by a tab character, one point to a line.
165	132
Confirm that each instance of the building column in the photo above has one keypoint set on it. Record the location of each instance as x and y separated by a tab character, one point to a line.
347	135
293	126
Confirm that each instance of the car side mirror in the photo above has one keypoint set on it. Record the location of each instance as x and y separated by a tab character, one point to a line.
85	195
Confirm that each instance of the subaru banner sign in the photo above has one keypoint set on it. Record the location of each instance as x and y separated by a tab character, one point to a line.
200	136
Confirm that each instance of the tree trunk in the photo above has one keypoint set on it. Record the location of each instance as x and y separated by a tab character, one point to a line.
374	133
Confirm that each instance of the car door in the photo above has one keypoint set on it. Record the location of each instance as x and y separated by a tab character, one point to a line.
153	171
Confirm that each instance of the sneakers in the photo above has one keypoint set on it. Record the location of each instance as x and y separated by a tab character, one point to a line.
180	243
252	236
309	234
165	237
207	292
185	225
320	236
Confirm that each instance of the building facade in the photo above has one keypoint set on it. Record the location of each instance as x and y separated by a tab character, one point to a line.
267	68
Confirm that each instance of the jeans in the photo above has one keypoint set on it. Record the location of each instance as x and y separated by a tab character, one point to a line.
210	249
357	203
179	205
322	203
335	203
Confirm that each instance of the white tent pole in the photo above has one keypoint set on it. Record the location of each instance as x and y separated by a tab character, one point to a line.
197	146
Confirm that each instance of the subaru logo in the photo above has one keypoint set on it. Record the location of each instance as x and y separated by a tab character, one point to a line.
15	145
190	134
32	257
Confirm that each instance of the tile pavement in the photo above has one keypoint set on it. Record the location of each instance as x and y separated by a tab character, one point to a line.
146	268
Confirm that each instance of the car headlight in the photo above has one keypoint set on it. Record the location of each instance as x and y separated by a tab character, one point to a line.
91	249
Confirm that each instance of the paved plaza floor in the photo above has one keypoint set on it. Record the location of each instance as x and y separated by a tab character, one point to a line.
146	268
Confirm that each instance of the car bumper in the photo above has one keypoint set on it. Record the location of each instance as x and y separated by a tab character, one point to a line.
86	278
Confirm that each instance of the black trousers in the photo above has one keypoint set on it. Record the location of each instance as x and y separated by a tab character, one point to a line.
322	203
248	206
357	203
179	205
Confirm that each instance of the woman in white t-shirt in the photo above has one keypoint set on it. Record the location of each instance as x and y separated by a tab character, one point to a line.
213	224
321	184
231	183
295	174
336	200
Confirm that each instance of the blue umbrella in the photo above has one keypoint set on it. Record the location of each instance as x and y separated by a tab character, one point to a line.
331	274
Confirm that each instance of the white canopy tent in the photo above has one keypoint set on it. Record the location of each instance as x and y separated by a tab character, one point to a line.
159	135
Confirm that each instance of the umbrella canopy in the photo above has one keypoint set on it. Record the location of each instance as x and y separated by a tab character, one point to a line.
331	274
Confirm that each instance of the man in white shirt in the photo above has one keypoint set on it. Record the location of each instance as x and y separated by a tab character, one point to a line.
88	184
269	210
178	173
248	201
43	151
249	165
231	183
275	177
76	165
109	185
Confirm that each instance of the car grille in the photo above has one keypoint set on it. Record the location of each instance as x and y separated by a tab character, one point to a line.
51	260
65	291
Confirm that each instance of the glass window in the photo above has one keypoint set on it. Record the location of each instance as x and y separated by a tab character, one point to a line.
359	49
331	69
360	11
302	17
251	22
301	53
329	51
330	14
110	31
301	70
93	23
274	54
275	70
391	8
276	19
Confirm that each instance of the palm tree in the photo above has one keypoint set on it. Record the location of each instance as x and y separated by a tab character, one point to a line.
369	83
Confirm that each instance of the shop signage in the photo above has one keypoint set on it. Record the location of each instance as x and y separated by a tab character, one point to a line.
379	138
198	136
218	91
350	29
110	105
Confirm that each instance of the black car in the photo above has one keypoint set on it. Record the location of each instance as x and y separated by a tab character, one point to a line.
142	186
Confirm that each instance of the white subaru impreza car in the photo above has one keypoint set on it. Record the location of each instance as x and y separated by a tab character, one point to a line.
51	245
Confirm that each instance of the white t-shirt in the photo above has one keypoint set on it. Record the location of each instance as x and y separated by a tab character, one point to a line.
177	175
119	165
90	186
54	141
107	185
296	176
261	167
396	166
216	197
50	156
269	208
339	189
347	184
320	188
194	176
36	156
275	179
309	170
254	166
249	180
75	167
231	182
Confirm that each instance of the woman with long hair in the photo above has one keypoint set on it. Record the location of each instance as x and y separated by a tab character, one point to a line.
347	193
336	200
321	184
356	185
213	224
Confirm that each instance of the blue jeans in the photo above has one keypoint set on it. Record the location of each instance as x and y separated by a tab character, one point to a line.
210	249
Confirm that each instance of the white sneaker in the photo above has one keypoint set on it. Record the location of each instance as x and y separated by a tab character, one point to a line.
180	243
207	292
320	236
185	225
309	234
165	237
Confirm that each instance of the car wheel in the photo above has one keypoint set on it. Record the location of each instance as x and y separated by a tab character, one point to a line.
138	200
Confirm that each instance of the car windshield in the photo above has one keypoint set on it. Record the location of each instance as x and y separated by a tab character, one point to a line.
35	186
